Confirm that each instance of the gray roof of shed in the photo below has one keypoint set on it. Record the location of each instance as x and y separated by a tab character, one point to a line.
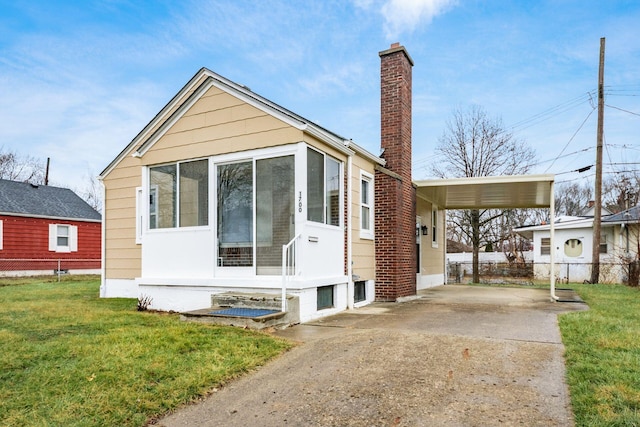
630	215
20	198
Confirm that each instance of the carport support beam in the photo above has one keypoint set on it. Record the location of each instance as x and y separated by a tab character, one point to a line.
552	215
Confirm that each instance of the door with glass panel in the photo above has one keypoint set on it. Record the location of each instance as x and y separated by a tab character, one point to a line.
235	217
275	220
255	215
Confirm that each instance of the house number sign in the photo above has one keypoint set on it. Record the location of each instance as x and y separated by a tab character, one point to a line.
300	202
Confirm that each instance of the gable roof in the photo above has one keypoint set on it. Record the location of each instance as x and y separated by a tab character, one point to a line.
24	199
197	86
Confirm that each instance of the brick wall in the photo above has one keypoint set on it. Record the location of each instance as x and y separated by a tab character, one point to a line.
395	195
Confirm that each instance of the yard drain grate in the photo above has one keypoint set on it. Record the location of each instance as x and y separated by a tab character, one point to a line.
244	312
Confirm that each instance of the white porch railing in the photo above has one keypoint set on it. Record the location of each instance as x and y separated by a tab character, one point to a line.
289	266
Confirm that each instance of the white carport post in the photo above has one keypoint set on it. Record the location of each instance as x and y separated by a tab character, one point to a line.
552	252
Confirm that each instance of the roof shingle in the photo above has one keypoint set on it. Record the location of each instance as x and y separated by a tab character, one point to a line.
43	200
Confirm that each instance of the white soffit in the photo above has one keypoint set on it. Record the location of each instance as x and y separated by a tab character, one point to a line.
491	192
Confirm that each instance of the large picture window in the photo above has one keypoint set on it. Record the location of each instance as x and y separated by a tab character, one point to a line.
323	188
179	195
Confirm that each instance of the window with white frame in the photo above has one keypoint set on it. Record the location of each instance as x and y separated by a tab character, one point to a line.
545	246
179	195
1	235
366	205
63	238
323	188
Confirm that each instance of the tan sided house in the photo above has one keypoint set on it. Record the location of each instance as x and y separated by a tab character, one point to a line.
204	199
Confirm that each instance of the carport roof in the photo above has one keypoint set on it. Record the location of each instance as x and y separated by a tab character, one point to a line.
492	192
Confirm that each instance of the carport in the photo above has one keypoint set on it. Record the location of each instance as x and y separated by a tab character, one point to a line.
495	192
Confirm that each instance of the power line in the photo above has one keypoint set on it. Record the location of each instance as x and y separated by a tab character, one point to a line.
580	170
623	163
551	112
571	139
622	109
563	156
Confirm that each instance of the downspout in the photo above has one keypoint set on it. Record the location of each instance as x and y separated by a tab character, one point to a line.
103	245
552	229
350	286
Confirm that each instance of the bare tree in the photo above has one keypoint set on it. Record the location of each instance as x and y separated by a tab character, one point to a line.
572	199
621	192
16	167
92	192
475	145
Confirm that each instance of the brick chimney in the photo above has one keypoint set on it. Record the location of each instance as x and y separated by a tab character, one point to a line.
395	196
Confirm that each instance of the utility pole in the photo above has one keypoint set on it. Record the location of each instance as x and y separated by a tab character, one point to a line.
46	173
597	214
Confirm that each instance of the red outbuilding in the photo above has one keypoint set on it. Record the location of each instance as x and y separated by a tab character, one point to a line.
45	229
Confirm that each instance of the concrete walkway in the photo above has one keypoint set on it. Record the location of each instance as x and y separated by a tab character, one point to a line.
453	356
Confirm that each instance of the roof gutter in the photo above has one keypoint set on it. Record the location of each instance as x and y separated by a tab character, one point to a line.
57	218
338	144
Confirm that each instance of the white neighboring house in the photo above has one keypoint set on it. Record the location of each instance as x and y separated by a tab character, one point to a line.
574	243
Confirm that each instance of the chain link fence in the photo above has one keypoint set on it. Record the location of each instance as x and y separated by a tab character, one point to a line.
527	273
53	266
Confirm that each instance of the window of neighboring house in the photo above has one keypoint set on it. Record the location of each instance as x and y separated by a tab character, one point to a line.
1	235
366	206
545	246
573	248
434	226
323	188
62	235
603	244
179	195
63	238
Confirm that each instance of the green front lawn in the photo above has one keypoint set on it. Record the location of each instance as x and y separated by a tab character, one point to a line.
603	356
71	358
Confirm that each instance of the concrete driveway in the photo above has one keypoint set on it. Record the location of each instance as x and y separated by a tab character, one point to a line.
453	356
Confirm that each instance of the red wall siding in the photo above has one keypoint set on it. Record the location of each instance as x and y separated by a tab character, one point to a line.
28	238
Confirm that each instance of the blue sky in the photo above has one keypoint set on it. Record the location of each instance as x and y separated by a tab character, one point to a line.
80	79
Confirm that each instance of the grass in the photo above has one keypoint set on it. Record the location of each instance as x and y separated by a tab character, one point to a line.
603	356
70	358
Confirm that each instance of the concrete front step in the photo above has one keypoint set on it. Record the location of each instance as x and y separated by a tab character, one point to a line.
262	301
249	300
208	315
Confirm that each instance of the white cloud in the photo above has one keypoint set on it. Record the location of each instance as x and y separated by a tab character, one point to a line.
404	16
338	79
